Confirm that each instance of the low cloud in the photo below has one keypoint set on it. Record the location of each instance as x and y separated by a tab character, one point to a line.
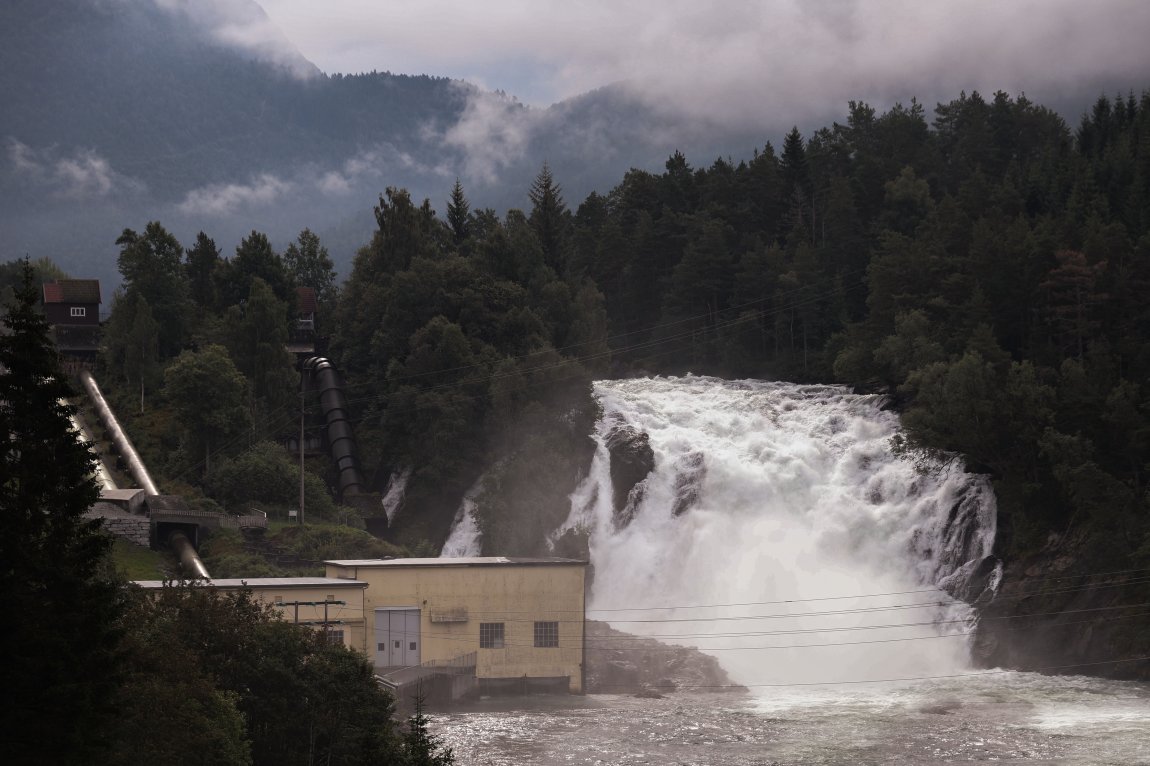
82	174
493	132
243	25
373	169
735	63
218	200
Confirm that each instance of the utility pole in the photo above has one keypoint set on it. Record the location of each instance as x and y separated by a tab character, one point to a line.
302	394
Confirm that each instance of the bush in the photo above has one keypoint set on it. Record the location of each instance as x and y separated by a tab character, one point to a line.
266	474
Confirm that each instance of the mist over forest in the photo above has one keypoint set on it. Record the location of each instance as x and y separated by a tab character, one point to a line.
205	116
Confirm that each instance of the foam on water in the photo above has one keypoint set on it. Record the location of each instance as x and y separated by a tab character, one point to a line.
768	504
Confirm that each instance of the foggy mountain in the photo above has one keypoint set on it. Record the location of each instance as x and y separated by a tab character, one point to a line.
202	115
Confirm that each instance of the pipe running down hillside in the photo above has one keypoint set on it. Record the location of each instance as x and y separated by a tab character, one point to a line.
178	541
124	446
340	439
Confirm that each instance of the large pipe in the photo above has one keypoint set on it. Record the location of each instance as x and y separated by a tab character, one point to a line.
84	435
119	437
178	541
189	559
340	438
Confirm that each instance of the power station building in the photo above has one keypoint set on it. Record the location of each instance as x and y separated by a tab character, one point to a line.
517	621
522	618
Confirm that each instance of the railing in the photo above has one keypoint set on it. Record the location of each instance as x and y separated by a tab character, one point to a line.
257	520
463	665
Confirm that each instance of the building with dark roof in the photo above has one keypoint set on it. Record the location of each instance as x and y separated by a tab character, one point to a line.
72	307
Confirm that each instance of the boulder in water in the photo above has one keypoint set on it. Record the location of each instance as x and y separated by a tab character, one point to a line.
632	459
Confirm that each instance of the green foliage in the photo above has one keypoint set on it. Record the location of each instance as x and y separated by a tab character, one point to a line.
255	259
223	677
420	746
136	562
266	474
308	264
256	338
61	652
152	268
208	393
201	266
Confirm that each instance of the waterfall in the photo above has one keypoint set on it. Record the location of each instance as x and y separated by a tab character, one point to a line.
392	499
776	519
464	539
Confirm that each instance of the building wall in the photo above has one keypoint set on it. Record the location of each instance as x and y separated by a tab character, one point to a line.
61	313
454	601
349	615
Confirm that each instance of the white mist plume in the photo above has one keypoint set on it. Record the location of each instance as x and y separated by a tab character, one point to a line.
737	62
228	198
83	174
492	133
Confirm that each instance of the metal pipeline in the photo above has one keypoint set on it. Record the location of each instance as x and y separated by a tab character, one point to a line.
340	439
84	435
189	559
119	437
177	541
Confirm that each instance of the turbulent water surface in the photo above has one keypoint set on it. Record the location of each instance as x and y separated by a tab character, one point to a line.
778	532
1004	718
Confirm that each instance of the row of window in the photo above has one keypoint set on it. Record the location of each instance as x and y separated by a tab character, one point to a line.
491	635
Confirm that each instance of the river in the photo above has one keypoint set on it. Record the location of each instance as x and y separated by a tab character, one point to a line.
1013	718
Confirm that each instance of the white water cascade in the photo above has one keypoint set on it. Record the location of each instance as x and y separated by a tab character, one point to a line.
778	532
465	539
393	497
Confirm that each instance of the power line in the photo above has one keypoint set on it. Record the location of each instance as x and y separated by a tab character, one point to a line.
795	615
838	629
600	643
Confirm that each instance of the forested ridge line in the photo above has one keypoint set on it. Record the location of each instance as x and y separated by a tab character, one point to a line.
983	266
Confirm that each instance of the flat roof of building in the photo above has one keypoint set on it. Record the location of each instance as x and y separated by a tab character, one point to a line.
267	582
462	561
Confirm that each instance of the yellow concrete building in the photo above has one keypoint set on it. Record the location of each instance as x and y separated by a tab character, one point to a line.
522	618
323	603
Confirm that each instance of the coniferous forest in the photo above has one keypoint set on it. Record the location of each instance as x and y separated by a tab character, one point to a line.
983	265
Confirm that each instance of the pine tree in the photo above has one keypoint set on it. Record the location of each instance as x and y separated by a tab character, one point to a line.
458	214
59	643
550	219
420	746
201	263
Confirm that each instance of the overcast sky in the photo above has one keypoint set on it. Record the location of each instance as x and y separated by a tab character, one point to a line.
735	58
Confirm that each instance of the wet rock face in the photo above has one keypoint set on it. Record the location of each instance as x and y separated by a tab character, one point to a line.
622	663
1055	610
631	461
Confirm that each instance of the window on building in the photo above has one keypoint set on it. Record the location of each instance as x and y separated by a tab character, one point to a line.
279	599
335	637
79	311
490	635
547	634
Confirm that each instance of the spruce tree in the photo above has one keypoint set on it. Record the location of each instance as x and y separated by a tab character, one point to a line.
458	214
550	219
60	637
